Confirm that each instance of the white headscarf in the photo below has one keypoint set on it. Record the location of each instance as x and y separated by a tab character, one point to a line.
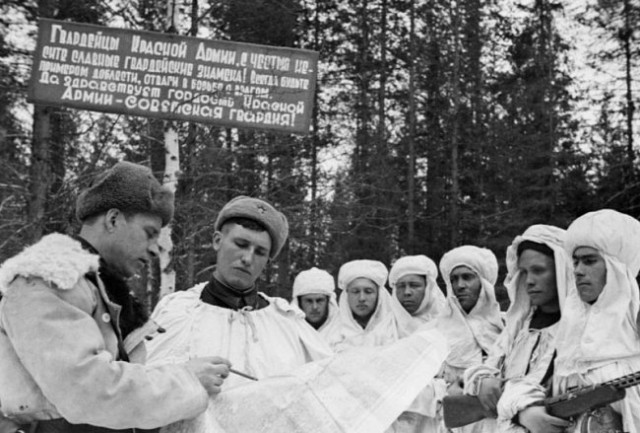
387	324
316	281
433	303
596	334
468	332
553	237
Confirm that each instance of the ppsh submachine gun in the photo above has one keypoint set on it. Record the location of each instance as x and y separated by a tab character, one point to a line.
583	405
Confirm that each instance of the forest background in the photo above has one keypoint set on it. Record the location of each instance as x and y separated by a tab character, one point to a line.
437	123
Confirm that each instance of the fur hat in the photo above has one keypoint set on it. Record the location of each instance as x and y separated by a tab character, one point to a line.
260	211
128	187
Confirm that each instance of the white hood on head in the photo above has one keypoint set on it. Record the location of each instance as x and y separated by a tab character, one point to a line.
478	329
607	329
433	303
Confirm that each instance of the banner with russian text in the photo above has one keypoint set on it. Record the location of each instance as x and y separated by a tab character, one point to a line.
173	77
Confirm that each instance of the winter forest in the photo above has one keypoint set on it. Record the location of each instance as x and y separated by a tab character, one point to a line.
437	123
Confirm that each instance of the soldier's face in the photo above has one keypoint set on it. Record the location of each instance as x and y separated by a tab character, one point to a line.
242	255
410	291
590	270
315	307
466	287
362	295
133	243
538	276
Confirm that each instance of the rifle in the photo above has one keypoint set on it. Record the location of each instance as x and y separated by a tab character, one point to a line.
461	410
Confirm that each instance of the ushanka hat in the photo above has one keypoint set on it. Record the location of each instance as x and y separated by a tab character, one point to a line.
263	213
128	187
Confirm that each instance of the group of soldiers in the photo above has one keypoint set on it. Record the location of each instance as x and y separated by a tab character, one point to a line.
572	319
78	353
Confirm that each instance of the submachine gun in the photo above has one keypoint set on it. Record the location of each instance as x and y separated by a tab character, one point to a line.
461	410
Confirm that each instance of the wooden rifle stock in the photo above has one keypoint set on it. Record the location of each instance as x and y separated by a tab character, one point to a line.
460	410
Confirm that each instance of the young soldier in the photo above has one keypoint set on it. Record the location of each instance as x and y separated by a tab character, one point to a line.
228	316
413	283
598	337
539	273
314	293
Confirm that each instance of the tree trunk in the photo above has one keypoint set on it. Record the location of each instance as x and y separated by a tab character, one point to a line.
283	289
382	141
455	131
315	143
40	168
362	71
436	226
626	37
169	180
191	225
475	40
39	171
411	213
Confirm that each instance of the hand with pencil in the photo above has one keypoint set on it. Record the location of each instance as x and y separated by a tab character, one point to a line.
211	371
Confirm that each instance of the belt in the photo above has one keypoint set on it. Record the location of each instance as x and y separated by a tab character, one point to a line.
61	425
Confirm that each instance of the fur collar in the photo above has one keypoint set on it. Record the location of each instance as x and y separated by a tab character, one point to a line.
57	259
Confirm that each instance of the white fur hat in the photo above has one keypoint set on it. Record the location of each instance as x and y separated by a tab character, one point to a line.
313	281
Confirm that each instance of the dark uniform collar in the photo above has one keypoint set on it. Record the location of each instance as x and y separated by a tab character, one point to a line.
87	246
541	320
224	296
